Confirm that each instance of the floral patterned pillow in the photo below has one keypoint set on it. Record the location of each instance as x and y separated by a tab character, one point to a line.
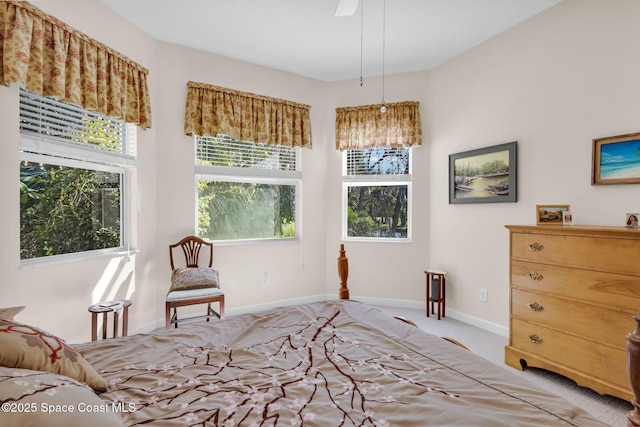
35	398
27	347
183	279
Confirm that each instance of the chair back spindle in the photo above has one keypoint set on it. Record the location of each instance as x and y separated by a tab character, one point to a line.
191	251
191	246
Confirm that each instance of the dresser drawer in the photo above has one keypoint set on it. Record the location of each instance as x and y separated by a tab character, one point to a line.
608	289
589	253
594	322
593	360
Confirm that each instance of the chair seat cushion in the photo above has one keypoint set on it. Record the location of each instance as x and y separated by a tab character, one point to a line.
193	278
193	293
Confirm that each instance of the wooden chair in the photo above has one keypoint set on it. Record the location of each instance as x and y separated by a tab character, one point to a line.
193	284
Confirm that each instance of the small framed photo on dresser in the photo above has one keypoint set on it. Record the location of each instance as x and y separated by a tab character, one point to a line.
632	220
567	218
551	214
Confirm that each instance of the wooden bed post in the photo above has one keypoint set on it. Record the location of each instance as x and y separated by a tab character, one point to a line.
633	368
343	272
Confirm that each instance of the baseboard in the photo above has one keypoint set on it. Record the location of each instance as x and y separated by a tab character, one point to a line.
420	305
282	303
415	305
480	323
386	302
148	327
160	323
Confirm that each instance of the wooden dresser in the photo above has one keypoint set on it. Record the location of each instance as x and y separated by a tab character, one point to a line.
574	292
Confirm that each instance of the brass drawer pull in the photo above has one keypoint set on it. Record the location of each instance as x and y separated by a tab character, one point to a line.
534	306
534	275
536	247
535	339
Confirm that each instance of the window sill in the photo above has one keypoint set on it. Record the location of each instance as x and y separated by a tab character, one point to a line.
69	258
255	241
376	240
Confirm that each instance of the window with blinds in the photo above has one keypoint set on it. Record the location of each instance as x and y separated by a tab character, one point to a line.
247	191
74	167
57	124
226	152
376	194
378	161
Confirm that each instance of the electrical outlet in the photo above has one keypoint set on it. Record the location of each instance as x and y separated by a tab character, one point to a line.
265	280
484	295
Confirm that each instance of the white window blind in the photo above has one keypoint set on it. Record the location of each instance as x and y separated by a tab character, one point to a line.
56	128
225	152
378	161
247	191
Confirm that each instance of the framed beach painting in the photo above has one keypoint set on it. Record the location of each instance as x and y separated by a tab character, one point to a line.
616	160
484	175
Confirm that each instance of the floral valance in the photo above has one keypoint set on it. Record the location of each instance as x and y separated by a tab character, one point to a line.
50	58
213	111
367	126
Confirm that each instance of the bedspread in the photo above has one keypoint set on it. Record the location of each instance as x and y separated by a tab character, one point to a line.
333	363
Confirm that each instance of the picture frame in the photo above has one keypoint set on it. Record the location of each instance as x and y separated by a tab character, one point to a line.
484	175
616	160
632	220
551	214
567	218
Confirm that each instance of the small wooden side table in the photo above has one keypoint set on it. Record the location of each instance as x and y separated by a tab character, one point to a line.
105	308
436	290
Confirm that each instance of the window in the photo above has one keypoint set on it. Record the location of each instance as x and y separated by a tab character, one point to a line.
246	190
376	186
74	168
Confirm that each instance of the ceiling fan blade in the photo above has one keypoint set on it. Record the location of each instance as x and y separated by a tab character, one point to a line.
346	7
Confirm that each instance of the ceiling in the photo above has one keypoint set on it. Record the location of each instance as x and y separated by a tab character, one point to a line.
305	37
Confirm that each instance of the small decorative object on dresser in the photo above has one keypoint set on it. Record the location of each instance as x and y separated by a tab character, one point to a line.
632	220
567	218
551	214
574	294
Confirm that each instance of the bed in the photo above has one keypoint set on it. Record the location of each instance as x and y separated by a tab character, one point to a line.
329	363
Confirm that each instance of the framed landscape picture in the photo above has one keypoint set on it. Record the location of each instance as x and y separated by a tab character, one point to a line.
616	160
484	175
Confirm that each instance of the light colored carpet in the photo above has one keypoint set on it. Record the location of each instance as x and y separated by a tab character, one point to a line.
491	346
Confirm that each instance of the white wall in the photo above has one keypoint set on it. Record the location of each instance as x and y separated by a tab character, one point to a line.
295	269
389	273
57	296
553	83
